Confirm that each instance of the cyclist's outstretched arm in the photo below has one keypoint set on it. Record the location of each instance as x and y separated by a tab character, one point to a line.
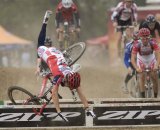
42	35
83	99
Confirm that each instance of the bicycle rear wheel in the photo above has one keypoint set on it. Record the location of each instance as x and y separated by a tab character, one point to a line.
20	96
74	52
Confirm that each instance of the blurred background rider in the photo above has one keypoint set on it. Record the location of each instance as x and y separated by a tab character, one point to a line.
125	14
67	11
153	25
145	53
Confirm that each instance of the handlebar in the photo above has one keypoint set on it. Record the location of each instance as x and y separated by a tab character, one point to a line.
124	27
147	70
63	31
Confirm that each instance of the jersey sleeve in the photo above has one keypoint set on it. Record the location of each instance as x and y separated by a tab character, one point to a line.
116	11
155	45
58	15
135	15
135	48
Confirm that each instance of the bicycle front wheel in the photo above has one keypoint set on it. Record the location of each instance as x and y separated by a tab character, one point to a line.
20	96
74	52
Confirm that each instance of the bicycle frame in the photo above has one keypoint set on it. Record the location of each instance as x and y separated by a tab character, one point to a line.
148	82
66	35
43	95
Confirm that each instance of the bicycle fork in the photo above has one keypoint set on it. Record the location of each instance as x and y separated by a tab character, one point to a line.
148	86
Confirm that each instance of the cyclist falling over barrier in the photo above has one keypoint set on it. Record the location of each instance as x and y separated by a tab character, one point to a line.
17	94
61	71
67	22
146	52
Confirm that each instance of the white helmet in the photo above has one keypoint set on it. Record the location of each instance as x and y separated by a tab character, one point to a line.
67	3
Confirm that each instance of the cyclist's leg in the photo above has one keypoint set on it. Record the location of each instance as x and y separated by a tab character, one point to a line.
119	40
128	35
128	78
141	84
73	35
154	77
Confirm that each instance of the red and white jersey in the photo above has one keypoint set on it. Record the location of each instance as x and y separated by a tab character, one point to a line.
145	50
67	14
145	53
54	59
125	13
45	53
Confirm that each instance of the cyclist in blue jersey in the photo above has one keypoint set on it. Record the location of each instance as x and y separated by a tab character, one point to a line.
127	61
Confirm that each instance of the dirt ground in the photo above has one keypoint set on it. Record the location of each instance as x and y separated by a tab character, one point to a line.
100	78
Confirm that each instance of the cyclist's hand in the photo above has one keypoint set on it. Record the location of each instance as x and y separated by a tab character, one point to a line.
63	117
139	70
115	24
156	66
37	71
58	30
90	113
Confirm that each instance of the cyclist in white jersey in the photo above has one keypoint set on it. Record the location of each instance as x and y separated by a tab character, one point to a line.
145	53
125	14
62	73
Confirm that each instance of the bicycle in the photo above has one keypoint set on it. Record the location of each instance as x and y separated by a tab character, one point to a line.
149	93
15	93
125	37
69	35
